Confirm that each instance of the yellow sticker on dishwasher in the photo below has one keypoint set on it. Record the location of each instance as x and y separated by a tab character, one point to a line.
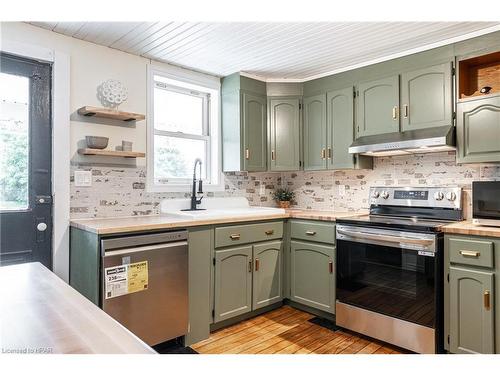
137	276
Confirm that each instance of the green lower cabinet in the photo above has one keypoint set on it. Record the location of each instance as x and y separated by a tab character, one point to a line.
312	275
233	282
478	130
267	274
471	312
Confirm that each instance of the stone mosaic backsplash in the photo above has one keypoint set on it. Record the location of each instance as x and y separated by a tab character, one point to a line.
120	191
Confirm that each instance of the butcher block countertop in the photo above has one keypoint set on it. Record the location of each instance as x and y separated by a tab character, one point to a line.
42	314
158	222
467	228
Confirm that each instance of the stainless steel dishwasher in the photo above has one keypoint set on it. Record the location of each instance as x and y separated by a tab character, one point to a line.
145	284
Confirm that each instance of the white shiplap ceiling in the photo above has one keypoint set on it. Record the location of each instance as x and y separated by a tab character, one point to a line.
271	51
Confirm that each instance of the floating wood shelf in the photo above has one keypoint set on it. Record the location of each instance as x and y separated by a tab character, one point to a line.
123	154
88	111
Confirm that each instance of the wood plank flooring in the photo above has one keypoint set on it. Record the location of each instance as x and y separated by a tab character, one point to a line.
288	331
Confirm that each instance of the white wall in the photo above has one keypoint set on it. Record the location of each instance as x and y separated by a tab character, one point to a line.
92	64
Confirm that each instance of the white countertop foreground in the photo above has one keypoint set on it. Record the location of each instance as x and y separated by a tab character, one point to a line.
41	314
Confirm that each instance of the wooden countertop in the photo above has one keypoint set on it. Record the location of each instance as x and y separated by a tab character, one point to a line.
42	314
157	222
467	228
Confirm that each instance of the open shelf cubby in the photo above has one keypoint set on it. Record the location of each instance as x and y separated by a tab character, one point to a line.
478	72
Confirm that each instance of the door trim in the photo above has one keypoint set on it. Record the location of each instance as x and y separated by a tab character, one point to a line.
60	142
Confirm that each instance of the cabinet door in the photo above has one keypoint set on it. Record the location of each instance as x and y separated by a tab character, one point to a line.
313	275
284	134
427	97
267	274
378	107
478	131
315	153
233	282
471	311
254	121
340	128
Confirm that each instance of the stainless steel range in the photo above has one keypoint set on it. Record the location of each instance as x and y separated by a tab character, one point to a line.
390	266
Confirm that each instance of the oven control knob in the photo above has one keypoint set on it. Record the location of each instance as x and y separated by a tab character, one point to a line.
384	195
375	194
439	196
451	196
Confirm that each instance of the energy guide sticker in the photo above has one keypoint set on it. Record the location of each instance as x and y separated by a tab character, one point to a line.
125	279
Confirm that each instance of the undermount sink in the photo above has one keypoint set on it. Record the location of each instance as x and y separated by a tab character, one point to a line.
215	208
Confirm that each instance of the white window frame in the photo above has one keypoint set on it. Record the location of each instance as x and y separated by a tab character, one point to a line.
197	84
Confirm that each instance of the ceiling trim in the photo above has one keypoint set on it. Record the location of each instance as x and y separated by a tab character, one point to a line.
393	56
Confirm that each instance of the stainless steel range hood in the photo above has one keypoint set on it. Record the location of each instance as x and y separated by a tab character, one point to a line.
409	142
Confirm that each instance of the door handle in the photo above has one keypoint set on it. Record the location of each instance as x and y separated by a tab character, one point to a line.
250	265
257	264
329	153
486	297
330	266
467	253
41	227
269	232
310	232
406	110
273	156
323	153
234	236
395	112
247	154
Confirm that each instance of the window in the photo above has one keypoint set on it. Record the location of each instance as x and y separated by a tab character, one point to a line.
183	125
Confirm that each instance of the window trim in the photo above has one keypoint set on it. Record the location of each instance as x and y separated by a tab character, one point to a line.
210	87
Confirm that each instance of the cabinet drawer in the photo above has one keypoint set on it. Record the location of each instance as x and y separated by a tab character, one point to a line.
249	233
471	252
313	231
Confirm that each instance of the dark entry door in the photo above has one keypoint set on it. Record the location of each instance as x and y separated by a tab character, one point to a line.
25	161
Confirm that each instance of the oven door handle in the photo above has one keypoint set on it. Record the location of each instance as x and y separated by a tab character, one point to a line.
386	238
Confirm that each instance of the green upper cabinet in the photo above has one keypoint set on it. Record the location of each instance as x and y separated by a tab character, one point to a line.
340	131
378	106
284	134
315	147
267	274
255	132
244	124
478	130
471	311
426	97
233	282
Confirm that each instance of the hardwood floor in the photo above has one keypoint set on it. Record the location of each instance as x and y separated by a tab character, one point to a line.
287	331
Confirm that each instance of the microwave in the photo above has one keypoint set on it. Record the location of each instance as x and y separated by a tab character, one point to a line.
486	203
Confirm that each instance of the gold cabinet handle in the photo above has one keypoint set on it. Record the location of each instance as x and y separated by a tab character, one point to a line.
269	232
273	155
406	110
250	265
247	154
486	299
329	153
330	266
310	232
323	153
467	253
234	236
257	264
395	112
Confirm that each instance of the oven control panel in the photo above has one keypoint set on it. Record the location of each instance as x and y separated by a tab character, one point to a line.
443	197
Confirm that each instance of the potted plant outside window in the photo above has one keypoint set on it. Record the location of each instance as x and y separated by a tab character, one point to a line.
284	197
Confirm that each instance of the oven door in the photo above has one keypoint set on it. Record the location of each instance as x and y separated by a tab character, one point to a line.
388	272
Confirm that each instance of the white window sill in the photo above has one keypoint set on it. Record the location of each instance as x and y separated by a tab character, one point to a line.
182	188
